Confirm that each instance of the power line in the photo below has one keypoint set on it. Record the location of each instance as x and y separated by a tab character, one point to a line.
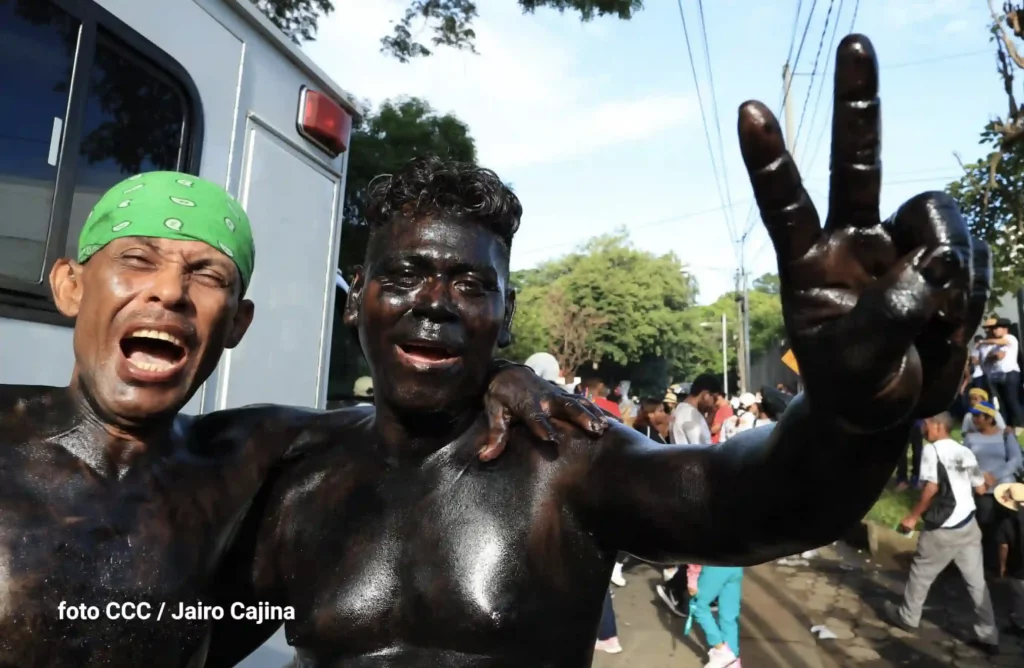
897	182
751	219
803	37
715	114
789	54
814	70
631	227
703	118
821	88
937	59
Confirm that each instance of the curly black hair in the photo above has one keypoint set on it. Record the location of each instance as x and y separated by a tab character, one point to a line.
432	186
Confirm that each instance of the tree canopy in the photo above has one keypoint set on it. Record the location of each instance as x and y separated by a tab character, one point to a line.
450	22
296	18
766	326
991	191
382	143
639	297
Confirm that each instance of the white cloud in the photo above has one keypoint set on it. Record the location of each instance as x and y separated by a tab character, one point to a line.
525	96
907	13
956	27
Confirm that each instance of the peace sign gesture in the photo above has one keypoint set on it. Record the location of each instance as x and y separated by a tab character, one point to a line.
879	314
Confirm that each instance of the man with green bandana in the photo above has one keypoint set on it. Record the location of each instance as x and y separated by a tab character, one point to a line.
170	205
115	510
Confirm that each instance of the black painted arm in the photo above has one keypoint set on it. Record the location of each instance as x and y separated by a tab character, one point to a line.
765	493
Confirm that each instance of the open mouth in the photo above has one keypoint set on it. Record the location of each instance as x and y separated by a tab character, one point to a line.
427	354
154	352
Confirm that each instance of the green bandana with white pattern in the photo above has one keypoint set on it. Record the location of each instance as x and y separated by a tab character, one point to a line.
171	205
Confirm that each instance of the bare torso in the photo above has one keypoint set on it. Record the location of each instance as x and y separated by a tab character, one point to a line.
80	529
446	561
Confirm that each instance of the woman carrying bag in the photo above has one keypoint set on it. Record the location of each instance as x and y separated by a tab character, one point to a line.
999	457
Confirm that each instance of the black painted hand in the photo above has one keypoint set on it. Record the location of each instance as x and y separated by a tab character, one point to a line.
879	313
517	392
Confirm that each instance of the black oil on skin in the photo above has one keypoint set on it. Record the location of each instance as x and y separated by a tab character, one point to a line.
78	527
87	521
403	549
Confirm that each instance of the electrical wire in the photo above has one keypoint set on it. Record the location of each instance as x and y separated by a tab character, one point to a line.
751	218
803	38
650	223
715	114
814	72
816	143
789	54
704	121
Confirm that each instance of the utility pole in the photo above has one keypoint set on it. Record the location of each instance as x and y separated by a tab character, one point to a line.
725	357
746	327
787	108
741	352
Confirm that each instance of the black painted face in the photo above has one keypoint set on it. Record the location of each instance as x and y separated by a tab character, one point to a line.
431	305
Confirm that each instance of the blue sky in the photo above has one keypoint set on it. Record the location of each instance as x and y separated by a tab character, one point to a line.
597	125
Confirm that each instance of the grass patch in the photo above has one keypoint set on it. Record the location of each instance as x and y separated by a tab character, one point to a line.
892	506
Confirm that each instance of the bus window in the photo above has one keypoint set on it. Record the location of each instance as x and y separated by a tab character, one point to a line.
87	102
37	56
134	122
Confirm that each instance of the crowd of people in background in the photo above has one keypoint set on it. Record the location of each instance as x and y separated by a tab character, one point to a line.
970	510
695	413
971	505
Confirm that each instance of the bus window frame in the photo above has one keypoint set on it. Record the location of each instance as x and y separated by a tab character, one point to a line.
32	301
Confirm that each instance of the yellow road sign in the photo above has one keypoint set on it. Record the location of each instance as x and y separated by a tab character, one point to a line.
789	359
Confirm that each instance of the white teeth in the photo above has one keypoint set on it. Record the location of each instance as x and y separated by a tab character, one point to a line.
145	366
154	334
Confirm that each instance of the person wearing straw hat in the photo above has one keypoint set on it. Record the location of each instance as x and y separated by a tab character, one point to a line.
1010	539
1002	368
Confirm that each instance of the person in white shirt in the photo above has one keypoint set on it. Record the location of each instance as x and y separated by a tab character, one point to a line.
1003	369
689	426
951	533
978	353
688	422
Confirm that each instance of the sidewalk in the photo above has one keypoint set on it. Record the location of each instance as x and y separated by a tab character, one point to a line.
781	603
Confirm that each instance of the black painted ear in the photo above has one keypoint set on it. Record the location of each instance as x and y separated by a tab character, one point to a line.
355	299
505	336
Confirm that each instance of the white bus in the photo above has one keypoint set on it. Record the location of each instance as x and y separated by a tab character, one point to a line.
92	91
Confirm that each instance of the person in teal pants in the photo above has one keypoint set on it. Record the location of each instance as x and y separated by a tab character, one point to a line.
706	583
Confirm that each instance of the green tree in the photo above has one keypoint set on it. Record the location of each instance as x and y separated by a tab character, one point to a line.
766	326
383	143
991	191
768	284
642	298
296	18
450	22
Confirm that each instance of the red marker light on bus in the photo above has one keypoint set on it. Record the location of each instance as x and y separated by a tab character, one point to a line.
324	122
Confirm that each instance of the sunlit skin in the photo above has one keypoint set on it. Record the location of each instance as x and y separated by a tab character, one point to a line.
184	288
108	495
403	549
